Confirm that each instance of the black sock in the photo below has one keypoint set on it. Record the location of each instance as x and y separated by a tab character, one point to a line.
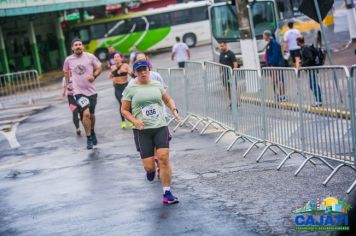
89	137
92	131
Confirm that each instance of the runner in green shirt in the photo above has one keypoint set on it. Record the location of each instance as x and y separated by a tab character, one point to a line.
146	99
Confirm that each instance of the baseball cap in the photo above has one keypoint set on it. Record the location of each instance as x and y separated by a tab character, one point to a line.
139	64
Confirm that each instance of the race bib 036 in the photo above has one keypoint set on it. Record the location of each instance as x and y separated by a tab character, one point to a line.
150	112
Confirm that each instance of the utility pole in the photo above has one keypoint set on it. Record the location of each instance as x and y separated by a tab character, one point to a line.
247	36
323	35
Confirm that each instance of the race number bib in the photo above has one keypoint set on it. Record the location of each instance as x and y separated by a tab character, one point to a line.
83	102
150	112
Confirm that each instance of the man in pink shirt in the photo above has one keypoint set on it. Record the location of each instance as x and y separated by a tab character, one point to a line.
83	68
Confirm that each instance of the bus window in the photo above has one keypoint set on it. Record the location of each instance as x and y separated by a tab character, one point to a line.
179	17
97	31
288	8
224	25
199	14
116	28
263	17
224	20
158	21
138	24
84	35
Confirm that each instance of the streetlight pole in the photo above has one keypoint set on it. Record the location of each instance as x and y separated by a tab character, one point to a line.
247	36
323	35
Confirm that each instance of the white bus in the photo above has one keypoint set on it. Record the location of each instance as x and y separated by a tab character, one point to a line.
148	31
267	15
224	26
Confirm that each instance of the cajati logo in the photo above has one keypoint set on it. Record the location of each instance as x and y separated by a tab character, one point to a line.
329	214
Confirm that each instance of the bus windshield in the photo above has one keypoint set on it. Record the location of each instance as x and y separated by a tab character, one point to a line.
224	20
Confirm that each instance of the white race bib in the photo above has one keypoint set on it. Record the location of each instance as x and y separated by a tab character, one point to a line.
83	102
150	112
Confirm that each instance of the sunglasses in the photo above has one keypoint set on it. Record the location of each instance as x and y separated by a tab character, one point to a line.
143	68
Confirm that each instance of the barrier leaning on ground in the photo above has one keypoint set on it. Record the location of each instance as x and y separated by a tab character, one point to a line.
308	112
19	87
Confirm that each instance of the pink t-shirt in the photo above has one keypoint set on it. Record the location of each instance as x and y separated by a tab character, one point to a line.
81	68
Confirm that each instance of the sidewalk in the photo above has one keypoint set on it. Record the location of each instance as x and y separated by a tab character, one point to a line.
344	56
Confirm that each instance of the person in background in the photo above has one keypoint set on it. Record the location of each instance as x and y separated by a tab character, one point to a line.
67	90
227	58
133	54
274	59
119	73
290	41
307	60
111	54
180	52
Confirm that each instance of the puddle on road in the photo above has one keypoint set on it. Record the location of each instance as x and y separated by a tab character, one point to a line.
14	174
210	175
188	176
7	129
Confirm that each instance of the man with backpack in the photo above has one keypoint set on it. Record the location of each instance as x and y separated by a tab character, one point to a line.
310	56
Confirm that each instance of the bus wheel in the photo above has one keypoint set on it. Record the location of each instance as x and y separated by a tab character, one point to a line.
190	39
101	54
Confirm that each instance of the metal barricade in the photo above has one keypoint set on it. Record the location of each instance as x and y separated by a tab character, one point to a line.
250	113
352	99
328	117
165	74
195	93
19	87
310	111
326	112
218	94
194	72
282	126
177	90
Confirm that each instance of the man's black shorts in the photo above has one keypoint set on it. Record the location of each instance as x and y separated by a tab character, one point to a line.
294	54
148	139
85	102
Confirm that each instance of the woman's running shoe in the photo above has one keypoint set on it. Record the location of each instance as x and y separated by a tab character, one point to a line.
168	198
123	125
131	125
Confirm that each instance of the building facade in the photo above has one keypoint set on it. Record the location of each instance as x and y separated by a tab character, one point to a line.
31	36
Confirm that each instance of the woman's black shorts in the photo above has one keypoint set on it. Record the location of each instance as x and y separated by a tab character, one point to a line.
148	139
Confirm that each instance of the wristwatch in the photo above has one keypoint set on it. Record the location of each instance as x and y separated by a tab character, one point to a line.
175	109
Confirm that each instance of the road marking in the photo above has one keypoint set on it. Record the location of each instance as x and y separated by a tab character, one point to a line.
10	135
14	163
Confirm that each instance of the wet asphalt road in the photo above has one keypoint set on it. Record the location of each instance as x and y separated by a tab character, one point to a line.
52	185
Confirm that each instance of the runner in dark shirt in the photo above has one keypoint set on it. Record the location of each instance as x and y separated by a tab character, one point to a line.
227	57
